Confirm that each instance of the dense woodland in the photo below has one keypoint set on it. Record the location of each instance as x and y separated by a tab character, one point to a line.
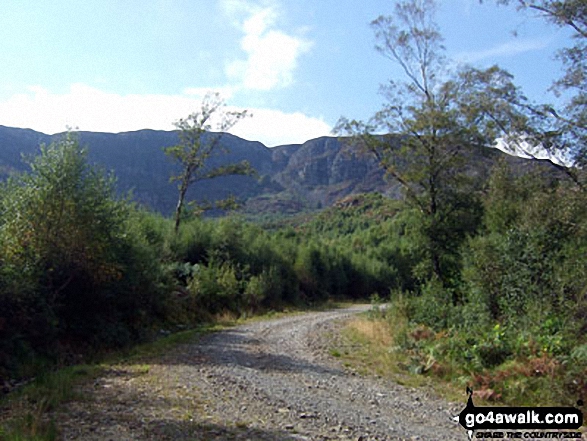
486	279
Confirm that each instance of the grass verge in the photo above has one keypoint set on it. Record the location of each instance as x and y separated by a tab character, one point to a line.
372	345
24	413
386	344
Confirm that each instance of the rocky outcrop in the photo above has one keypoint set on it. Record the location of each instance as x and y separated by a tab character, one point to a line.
289	178
325	169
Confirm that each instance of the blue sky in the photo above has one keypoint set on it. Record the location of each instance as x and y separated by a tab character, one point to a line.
113	65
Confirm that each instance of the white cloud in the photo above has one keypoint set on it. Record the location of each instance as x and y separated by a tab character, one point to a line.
270	58
523	149
271	54
278	128
259	21
509	49
88	108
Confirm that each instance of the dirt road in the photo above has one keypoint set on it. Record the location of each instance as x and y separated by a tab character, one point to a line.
270	380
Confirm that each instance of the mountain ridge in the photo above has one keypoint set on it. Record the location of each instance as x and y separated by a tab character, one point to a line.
290	178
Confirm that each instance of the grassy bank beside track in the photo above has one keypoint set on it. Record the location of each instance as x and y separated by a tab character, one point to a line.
25	412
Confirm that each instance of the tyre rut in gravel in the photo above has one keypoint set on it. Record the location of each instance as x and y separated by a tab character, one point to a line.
270	380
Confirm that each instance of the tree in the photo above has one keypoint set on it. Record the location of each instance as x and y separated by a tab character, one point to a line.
198	144
568	125
571	13
437	116
63	218
70	266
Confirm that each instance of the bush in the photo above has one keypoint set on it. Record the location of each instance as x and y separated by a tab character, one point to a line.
264	291
216	287
434	306
76	269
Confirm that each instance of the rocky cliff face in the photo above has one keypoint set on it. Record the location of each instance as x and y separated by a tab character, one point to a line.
323	170
290	177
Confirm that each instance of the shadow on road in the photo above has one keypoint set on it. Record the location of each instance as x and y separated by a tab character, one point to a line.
168	430
238	348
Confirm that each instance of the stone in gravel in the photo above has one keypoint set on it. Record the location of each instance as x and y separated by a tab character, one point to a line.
339	405
304	415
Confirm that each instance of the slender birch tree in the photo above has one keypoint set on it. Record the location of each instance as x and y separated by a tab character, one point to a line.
198	143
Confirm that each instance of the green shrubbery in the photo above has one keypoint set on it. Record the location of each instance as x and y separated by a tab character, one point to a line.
74	270
82	269
518	298
529	272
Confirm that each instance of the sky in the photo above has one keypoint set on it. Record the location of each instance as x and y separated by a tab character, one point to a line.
296	65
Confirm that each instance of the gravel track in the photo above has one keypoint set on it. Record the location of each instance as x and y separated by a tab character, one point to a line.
270	380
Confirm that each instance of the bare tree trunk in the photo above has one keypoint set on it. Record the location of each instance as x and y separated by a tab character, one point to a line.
179	208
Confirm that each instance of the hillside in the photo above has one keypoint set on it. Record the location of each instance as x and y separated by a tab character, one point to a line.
291	178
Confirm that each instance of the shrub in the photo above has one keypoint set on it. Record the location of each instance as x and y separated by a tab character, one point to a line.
216	287
434	306
75	265
264	291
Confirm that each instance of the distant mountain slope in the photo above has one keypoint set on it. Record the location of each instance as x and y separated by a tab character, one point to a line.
290	177
140	165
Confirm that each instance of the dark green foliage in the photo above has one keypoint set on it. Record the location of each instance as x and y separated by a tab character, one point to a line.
74	270
83	270
272	268
336	255
530	249
521	290
217	287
